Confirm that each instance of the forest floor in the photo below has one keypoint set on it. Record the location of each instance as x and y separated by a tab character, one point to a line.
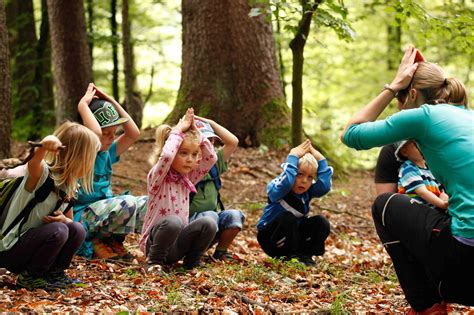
354	275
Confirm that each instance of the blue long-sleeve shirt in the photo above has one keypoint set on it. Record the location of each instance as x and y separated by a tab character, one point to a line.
445	135
282	185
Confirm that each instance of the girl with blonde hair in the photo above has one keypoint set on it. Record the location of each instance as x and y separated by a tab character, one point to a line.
41	245
181	158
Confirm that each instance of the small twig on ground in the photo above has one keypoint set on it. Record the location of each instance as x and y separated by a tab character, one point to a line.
248	300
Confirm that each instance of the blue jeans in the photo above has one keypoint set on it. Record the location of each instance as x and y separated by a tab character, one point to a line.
226	219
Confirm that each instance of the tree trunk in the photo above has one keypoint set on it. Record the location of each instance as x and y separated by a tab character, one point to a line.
394	38
133	101
25	58
229	71
90	30
70	51
43	109
114	41
297	45
5	88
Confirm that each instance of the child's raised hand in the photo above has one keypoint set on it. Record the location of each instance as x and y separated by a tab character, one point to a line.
51	143
186	122
301	149
317	155
89	95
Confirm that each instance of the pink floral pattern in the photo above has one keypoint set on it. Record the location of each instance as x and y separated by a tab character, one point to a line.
162	179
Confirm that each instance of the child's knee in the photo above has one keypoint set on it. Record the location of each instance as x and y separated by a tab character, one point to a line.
59	232
208	225
77	230
231	219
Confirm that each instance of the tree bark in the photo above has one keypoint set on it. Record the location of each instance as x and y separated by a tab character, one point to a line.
43	108
90	30
70	51
25	59
133	101
297	45
394	38
114	41
229	71
5	88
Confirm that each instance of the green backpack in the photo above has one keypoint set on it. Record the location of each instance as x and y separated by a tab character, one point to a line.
8	188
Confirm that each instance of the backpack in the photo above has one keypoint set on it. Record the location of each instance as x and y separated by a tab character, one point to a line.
214	172
8	187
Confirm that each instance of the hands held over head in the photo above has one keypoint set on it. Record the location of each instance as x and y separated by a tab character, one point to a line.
186	122
306	147
406	69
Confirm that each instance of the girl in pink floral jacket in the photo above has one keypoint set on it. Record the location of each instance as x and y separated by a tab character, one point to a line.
182	157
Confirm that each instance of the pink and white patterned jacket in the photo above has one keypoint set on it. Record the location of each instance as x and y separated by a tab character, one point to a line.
168	190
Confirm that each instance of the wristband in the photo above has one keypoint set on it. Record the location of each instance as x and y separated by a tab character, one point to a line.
388	88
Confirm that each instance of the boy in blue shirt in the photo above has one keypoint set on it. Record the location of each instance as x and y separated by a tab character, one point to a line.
285	230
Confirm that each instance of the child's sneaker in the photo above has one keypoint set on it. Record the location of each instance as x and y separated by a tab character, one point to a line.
103	251
30	282
307	260
120	250
224	255
61	279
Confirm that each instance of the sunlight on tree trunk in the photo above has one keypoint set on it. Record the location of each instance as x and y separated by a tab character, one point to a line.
230	72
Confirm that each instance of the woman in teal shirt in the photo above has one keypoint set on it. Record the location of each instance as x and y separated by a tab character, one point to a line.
432	251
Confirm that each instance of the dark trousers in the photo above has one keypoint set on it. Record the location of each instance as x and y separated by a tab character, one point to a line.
431	265
169	240
288	236
49	247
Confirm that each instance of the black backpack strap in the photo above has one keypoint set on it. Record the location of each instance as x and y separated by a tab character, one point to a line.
40	195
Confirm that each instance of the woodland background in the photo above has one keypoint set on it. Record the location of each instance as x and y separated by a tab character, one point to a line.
272	72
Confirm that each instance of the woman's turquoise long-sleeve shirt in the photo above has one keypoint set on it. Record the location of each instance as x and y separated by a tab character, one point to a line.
445	135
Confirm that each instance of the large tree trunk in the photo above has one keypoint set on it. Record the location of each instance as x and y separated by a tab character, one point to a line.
230	72
71	59
133	101
297	45
5	88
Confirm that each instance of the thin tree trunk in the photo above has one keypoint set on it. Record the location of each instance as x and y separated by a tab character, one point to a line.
133	101
24	71
394	39
114	41
71	58
5	88
279	50
43	109
297	45
230	72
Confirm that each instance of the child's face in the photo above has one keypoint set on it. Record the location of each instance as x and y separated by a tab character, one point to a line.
304	179
411	152
108	136
187	157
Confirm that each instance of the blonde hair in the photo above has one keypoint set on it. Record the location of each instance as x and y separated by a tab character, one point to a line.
76	160
161	135
430	80
309	160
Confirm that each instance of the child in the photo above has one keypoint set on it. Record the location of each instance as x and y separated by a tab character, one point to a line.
107	218
285	230
40	247
415	178
206	199
167	237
